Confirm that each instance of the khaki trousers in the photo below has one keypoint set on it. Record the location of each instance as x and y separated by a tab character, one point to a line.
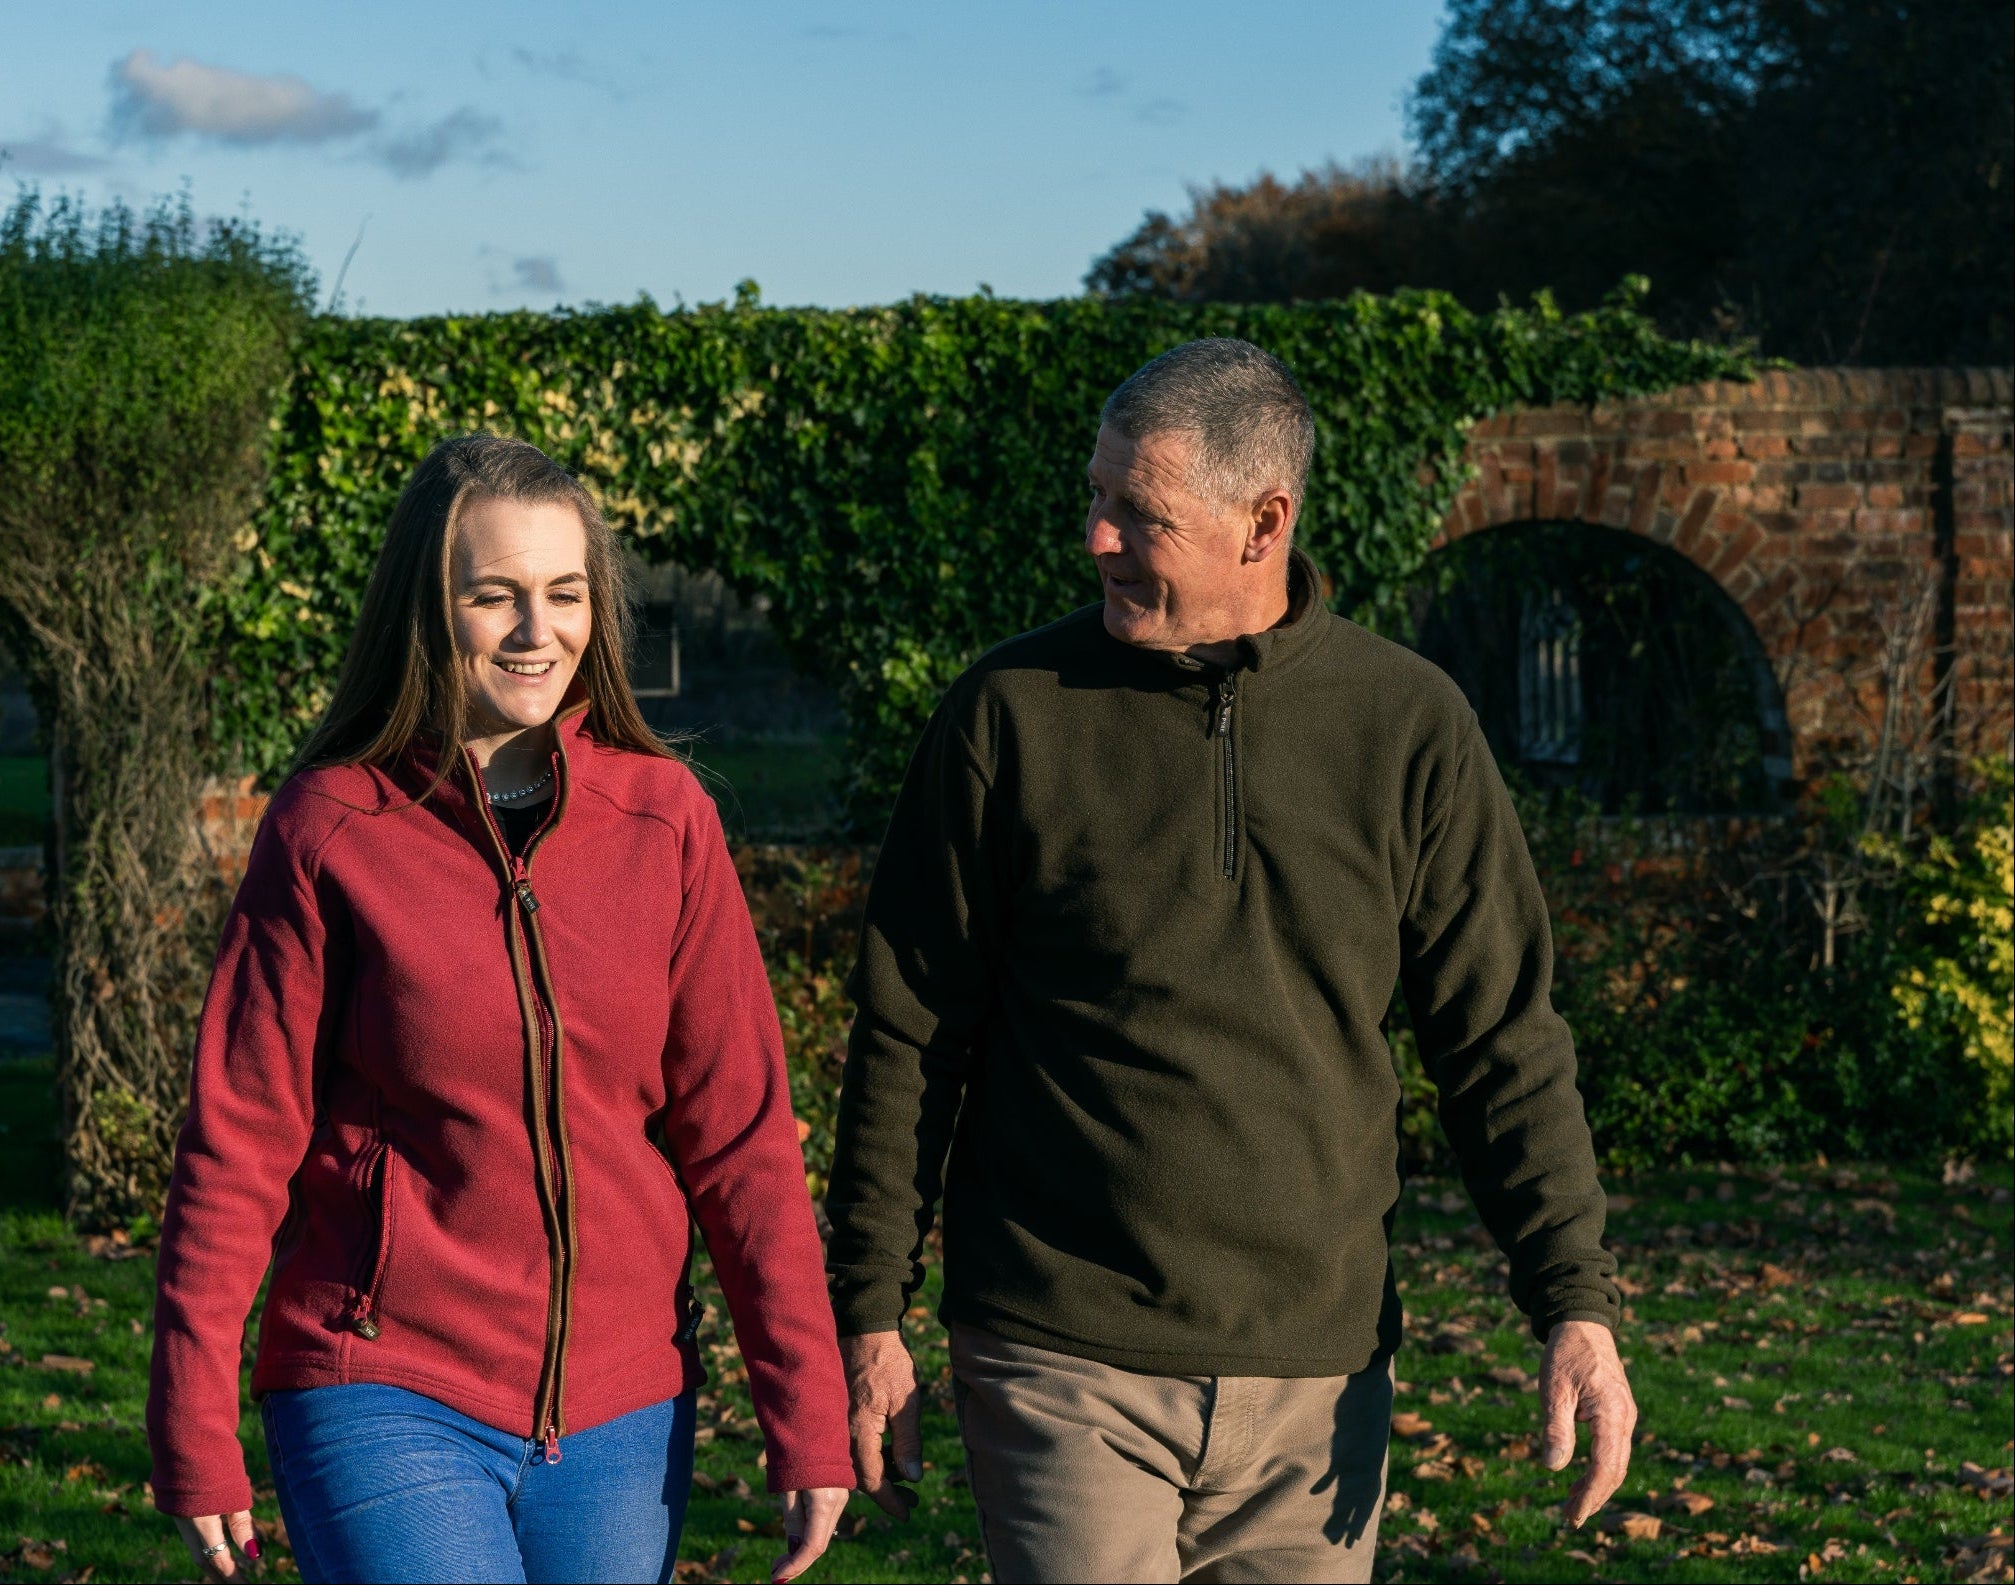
1084	1471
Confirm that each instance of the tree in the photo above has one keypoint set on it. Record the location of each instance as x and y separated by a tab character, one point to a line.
1831	176
1331	233
141	361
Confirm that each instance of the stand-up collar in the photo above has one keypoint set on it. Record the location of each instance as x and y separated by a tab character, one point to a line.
1271	651
416	771
1307	616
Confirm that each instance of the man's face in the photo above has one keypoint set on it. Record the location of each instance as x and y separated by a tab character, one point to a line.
1167	557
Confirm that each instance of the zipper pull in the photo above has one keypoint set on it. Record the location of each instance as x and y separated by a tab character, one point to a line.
361	1322
531	903
1224	708
552	1446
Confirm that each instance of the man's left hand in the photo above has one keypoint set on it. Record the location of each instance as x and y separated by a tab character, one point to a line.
1580	1378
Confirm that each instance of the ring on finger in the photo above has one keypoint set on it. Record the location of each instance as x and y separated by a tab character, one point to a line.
220	1547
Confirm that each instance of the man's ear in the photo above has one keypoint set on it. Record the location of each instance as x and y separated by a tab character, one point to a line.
1272	523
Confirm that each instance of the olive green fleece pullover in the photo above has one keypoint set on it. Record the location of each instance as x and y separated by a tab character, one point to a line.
1127	949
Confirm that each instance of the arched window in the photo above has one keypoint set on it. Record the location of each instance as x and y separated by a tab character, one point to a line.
1549	679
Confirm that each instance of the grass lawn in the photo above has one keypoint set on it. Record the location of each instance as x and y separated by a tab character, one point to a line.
1822	1356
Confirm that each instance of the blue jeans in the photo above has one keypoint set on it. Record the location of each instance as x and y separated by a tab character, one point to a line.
378	1483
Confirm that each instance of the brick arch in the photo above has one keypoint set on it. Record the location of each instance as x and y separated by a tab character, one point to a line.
1766	689
1663	475
1816	500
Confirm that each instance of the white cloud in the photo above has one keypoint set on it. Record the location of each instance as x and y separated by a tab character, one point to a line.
464	134
156	99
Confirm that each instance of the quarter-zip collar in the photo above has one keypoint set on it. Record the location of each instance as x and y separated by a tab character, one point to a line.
1273	651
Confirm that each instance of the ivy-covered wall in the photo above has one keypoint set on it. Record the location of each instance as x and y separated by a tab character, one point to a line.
905	484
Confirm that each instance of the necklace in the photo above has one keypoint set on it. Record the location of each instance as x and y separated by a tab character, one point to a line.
521	792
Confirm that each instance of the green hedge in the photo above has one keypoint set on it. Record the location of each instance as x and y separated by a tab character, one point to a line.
903	483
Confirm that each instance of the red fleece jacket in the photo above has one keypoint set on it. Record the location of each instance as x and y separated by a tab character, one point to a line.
376	1113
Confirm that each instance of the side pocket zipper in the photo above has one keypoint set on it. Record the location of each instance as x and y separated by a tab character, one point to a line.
362	1319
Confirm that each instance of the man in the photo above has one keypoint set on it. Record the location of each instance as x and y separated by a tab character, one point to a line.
1150	880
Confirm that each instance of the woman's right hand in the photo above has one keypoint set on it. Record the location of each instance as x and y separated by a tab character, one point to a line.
210	1538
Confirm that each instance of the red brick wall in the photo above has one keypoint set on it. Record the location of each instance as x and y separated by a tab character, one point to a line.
1829	504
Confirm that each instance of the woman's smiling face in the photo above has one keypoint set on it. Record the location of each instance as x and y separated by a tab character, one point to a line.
519	582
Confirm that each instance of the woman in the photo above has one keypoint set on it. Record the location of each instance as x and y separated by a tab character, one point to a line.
488	956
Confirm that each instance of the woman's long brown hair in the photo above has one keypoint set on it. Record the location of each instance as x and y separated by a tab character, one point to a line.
401	675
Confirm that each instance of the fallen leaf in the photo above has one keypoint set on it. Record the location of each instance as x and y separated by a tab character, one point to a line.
1518	1448
1480	1523
1987	1482
804	1130
1981	1557
1691	1503
1969	1318
1729	1402
1636	1526
1407	1424
1775	1277
1837	1455
1434	1469
68	1362
1580	1555
53	1401
1434	1445
1451	1342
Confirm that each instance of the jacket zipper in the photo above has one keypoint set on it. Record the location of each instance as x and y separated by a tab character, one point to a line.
377	1195
1228	755
552	1158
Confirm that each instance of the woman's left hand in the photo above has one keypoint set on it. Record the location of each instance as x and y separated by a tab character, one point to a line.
809	1520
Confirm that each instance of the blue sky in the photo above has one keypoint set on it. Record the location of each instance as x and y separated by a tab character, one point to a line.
505	155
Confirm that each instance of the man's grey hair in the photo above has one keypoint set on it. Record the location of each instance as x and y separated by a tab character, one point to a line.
1251	424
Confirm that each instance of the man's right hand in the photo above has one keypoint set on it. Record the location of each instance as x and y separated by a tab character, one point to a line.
882	1397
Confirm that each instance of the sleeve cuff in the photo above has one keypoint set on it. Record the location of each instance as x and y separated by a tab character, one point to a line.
1544	1321
860	1311
196	1502
807	1475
